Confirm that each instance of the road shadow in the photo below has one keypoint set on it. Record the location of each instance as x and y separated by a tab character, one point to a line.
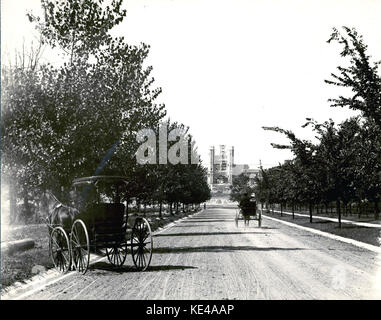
221	207
202	225
213	216
221	249
104	266
205	234
188	226
207	220
268	228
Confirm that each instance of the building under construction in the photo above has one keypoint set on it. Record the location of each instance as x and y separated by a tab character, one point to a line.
222	169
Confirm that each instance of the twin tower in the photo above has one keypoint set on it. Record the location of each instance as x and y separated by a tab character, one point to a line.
221	166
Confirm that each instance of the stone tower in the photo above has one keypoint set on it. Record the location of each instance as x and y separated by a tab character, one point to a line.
231	164
211	165
221	166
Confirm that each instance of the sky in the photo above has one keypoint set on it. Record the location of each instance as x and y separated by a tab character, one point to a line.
227	68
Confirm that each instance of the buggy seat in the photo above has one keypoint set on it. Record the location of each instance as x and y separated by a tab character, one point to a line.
105	221
248	207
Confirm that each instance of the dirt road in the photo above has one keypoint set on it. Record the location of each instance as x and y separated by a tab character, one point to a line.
206	257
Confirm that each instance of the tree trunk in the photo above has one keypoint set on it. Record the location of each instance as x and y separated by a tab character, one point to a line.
310	210
293	211
160	209
338	209
12	204
26	207
376	210
345	209
281	210
127	202
170	209
359	209
37	212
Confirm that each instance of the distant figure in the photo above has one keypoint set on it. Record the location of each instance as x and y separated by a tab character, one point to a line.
204	205
248	206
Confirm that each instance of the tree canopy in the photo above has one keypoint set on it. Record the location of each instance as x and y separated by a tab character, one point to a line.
81	118
344	166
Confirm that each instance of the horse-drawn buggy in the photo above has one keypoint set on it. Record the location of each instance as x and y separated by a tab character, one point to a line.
98	226
247	210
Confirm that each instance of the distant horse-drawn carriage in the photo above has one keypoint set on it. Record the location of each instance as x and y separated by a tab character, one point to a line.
99	225
247	210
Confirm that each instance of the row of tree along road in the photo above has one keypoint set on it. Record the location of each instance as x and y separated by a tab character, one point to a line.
344	166
81	117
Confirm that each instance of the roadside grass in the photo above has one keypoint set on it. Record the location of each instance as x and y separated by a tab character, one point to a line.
360	233
19	266
365	217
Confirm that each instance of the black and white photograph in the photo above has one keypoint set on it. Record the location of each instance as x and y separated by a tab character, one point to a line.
190	150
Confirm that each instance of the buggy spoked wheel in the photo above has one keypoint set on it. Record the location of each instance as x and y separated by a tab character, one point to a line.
117	255
59	249
80	246
141	244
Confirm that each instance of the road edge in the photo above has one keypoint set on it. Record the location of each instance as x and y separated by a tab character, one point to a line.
356	243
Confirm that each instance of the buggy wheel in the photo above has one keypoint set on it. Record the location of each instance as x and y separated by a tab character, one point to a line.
59	249
117	255
141	244
80	246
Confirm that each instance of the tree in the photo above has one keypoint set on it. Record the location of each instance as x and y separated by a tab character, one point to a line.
305	153
364	81
345	165
240	186
361	76
78	27
262	187
336	154
81	118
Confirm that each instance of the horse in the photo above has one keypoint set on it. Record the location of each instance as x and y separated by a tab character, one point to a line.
248	206
246	219
58	214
